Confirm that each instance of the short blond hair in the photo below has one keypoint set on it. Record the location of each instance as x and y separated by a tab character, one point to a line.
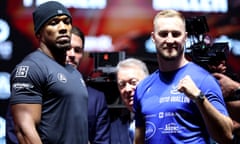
168	13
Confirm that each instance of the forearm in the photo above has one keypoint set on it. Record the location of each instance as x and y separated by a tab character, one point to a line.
218	125
228	85
139	137
233	109
27	133
24	139
26	117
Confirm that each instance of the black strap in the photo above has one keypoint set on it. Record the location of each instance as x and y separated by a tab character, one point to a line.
232	98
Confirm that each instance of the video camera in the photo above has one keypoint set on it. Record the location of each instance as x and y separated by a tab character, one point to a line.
201	50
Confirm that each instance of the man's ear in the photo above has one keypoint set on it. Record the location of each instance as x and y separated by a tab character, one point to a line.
186	34
152	37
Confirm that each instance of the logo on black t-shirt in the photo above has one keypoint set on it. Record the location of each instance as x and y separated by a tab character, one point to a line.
22	71
61	77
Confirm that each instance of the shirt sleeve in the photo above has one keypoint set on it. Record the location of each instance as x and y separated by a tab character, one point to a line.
26	81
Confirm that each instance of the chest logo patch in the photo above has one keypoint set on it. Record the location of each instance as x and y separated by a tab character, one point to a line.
22	71
174	90
61	77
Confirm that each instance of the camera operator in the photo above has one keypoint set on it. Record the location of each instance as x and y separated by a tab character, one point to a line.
230	86
222	62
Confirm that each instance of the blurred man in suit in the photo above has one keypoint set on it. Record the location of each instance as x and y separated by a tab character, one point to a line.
129	73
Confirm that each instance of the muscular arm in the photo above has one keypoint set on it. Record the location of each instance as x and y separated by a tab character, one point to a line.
139	137
26	117
218	125
228	86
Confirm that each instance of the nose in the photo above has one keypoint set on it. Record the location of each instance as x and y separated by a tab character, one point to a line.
128	87
62	27
71	54
170	38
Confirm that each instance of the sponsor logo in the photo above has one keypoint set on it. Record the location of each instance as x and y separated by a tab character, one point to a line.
150	130
22	71
22	85
61	77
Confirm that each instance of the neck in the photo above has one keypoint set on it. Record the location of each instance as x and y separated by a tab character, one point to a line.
59	55
171	65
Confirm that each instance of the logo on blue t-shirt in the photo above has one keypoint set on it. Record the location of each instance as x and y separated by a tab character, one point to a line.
150	130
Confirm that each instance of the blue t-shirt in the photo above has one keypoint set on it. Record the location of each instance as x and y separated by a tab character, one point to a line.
169	116
60	90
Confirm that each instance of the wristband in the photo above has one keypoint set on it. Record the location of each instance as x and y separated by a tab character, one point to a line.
200	98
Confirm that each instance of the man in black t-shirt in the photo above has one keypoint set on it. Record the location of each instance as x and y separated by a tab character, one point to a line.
48	97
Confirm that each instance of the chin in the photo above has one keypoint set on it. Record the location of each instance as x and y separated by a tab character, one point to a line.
74	65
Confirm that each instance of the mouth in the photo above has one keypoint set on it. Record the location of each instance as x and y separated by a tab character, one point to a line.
130	99
73	64
63	39
170	47
130	102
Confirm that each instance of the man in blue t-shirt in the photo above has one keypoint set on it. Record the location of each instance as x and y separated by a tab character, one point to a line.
180	102
49	99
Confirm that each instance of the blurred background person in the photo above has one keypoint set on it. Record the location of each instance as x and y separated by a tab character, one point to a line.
129	73
227	73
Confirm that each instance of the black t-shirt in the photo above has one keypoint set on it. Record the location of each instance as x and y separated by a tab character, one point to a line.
62	93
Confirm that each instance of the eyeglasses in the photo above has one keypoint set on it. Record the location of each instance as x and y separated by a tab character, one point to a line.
132	82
